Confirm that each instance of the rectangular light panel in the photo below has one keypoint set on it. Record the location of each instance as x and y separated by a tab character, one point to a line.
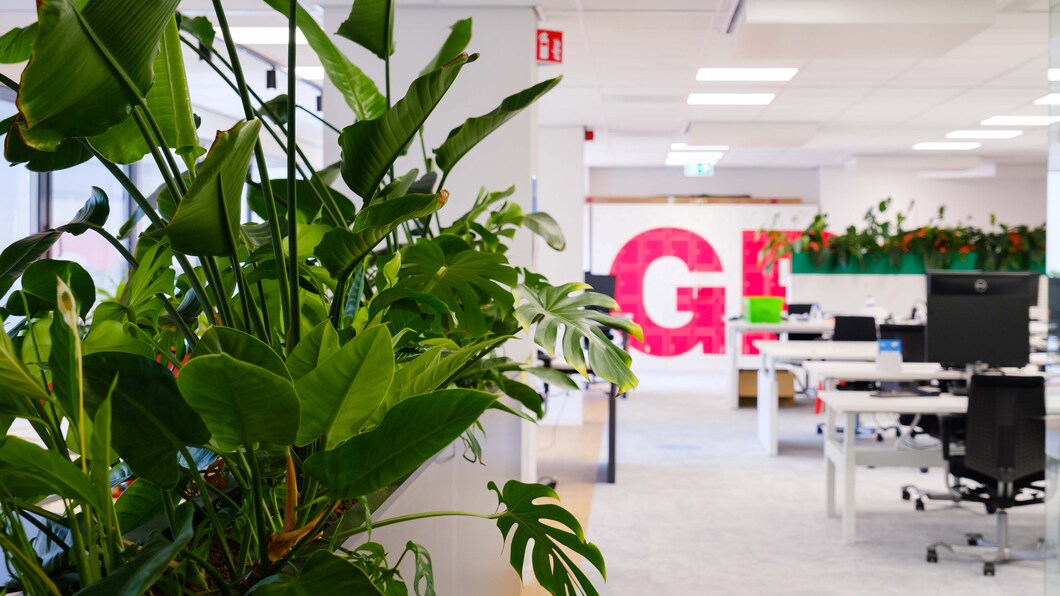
1020	120
984	134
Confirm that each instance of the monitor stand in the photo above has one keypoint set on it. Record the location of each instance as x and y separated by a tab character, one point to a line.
960	386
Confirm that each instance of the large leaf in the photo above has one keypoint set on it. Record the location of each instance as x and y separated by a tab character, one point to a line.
68	154
18	388
340	394
16	44
371	25
139	574
555	309
314	348
38	287
139	504
170	104
464	137
410	434
359	91
241	346
31	472
543	225
551	528
370	147
455	44
69	88
341	250
323	573
463	278
19	255
149	426
242	404
207	220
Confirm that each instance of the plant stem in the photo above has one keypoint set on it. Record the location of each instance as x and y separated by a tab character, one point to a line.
211	513
259	156
29	566
294	328
257	494
414	516
220	293
218	579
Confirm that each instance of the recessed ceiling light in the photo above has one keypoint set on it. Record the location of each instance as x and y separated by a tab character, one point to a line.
1054	74
680	158
310	73
746	74
686	147
1020	120
1048	100
943	146
730	99
263	36
984	134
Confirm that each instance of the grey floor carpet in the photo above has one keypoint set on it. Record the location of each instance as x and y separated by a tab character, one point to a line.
700	509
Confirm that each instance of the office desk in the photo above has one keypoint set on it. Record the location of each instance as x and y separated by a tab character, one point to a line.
734	331
775	353
830	372
848	454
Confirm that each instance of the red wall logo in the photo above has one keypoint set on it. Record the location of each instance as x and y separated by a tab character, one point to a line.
707	304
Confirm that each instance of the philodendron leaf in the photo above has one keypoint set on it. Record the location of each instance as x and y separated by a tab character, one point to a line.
543	225
241	346
410	434
551	528
314	348
170	104
323	573
359	91
16	44
370	147
339	396
371	25
69	89
31	472
139	574
241	403
555	309
206	222
18	256
524	394
148	426
464	137
455	44
341	250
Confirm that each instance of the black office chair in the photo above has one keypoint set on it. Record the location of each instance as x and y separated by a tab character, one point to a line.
1004	459
855	328
802	310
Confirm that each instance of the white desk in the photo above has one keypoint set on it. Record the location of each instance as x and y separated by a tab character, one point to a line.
830	372
795	352
849	454
734	331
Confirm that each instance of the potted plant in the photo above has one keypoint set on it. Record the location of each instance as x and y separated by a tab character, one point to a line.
268	385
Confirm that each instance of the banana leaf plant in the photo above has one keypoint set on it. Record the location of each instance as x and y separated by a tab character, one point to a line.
255	391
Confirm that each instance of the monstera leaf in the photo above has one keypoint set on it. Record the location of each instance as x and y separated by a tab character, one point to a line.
464	137
461	277
359	91
61	97
550	527
371	25
556	309
370	147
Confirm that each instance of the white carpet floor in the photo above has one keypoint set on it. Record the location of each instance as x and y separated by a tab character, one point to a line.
699	508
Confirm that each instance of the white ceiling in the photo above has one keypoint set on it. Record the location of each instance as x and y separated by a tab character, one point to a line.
921	70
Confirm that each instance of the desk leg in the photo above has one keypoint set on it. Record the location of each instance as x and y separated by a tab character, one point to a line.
732	348
829	465
767	405
612	401
849	465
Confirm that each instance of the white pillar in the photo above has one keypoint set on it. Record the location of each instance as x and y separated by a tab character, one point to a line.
561	192
466	552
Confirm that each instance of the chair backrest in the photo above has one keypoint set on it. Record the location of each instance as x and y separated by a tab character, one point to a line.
1006	429
912	337
602	284
848	328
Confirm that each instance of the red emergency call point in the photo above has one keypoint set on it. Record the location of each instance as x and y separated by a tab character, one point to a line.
549	46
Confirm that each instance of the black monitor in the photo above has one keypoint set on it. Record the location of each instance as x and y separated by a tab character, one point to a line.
978	317
602	284
912	338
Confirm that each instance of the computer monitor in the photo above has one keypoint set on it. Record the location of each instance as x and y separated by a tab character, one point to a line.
602	284
912	338
977	317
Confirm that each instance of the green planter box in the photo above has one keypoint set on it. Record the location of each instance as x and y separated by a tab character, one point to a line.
878	264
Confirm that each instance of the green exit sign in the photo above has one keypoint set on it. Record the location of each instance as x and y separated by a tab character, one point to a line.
699	169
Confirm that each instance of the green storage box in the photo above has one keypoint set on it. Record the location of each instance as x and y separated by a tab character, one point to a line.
762	309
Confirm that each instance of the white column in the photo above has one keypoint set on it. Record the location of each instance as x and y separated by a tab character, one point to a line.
561	192
466	552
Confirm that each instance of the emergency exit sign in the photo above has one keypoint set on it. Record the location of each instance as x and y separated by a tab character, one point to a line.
549	46
699	169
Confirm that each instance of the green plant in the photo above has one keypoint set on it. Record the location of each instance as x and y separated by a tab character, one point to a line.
268	397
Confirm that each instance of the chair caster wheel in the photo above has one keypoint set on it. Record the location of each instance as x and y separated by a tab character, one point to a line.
879	438
932	555
973	539
905	494
919	504
923	470
988	569
991	509
820	430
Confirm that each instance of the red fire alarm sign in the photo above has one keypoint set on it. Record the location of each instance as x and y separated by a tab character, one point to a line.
549	46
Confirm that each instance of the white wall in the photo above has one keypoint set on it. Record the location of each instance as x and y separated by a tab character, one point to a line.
654	182
845	196
561	193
